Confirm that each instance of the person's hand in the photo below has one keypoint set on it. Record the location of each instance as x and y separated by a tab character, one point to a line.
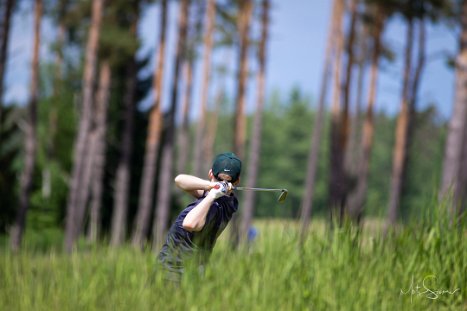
219	190
229	187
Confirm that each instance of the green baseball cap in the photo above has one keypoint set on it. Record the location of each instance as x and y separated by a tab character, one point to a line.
227	163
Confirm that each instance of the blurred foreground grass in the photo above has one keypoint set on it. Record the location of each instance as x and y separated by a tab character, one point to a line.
343	269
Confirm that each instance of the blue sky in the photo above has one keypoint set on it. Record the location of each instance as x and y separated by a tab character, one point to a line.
295	55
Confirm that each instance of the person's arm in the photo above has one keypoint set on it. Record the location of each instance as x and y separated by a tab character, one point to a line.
196	218
193	185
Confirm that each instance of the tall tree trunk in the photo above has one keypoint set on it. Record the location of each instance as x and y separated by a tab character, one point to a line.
53	113
451	181
246	8
245	12
337	174
165	186
357	199
213	113
347	88
420	66
61	36
462	194
183	135
75	209
5	34
352	153
200	128
412	99
312	164
98	158
26	180
403	123
122	187
194	32
211	131
248	205
149	175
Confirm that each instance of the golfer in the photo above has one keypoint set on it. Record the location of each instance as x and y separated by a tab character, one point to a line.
194	233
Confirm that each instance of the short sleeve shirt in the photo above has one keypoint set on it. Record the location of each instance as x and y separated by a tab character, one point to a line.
182	244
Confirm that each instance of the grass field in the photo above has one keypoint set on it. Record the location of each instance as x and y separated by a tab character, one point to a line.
343	269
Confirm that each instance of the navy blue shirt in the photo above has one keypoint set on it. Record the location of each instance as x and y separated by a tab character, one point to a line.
181	244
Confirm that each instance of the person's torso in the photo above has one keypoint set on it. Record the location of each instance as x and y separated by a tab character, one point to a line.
181	244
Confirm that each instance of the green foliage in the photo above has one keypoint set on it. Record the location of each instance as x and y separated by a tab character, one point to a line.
424	163
284	152
58	114
56	131
379	181
346	269
118	40
285	144
287	126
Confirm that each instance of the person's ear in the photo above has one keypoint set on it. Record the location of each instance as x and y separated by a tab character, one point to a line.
210	174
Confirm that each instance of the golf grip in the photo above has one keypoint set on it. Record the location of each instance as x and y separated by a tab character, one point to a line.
216	187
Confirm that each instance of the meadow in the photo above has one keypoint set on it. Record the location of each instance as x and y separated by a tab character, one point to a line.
340	269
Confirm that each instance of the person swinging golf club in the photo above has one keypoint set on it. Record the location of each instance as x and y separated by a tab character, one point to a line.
194	233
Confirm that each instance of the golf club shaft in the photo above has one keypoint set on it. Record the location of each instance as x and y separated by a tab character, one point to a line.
258	189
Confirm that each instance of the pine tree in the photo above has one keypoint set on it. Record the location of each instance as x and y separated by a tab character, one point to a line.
26	180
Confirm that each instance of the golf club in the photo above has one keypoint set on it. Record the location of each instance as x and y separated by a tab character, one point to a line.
281	198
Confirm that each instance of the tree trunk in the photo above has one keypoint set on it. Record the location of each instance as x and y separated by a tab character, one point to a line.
421	60
122	188
200	128
53	112
5	34
30	140
352	154
462	194
253	163
165	186
312	164
213	114
343	124
336	190
245	11
92	155
149	175
212	129
61	35
184	143
246	8
451	182
403	123
98	158
347	89
75	211
183	135
412	100
357	199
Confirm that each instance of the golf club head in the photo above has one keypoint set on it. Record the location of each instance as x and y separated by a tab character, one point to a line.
282	196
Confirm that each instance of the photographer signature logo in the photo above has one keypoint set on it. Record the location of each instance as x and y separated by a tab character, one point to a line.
426	289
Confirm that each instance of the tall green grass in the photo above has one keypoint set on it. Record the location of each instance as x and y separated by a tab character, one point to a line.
342	269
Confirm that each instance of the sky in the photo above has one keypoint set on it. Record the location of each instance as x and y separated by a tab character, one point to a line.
295	55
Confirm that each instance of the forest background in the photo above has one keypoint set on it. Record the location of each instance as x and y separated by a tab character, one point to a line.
213	88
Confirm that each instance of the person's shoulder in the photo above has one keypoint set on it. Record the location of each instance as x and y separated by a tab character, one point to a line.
229	201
